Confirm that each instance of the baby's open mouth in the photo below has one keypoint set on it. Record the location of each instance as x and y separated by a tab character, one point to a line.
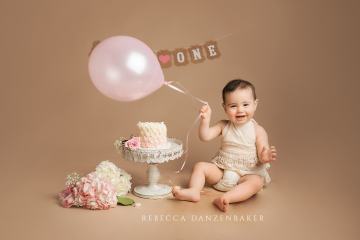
240	116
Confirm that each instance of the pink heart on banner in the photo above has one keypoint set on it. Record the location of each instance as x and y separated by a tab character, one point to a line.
164	58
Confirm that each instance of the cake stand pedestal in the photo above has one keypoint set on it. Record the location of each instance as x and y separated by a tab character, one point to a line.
154	189
153	157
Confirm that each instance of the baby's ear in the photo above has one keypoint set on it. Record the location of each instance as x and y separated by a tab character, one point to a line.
256	102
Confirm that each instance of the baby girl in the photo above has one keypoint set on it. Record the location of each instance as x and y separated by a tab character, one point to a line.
240	167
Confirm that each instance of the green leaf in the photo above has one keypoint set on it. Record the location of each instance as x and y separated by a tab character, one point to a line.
124	201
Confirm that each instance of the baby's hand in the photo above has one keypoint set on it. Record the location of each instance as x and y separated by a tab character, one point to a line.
205	112
268	155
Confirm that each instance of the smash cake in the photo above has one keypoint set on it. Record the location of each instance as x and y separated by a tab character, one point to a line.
153	135
150	145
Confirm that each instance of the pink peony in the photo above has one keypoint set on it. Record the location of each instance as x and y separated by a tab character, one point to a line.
90	192
96	192
68	196
133	143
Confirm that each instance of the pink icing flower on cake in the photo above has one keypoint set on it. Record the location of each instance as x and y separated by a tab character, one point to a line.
133	143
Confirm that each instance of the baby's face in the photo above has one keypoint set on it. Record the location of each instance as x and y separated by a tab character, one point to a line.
240	106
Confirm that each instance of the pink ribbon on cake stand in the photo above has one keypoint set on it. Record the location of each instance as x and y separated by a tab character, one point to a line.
181	89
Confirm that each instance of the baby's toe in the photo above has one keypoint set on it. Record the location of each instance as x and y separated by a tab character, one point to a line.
175	189
225	202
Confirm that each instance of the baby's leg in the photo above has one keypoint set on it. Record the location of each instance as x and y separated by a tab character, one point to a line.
202	172
250	185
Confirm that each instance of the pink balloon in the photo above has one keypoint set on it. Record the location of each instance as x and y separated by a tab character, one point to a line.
125	69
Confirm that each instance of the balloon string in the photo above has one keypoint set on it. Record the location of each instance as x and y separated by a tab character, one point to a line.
186	151
186	92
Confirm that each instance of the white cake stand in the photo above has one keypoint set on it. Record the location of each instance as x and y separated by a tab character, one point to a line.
153	190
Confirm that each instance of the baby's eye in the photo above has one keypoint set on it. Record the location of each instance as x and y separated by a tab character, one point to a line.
233	106
245	104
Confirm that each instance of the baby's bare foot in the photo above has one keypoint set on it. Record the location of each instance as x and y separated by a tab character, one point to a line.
222	203
187	194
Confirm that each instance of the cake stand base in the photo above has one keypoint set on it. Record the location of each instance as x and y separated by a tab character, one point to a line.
155	191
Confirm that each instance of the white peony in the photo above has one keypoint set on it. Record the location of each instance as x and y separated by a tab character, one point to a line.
119	178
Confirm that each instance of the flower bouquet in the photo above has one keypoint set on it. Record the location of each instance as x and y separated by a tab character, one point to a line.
101	189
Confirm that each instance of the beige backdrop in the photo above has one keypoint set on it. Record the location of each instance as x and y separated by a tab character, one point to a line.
303	57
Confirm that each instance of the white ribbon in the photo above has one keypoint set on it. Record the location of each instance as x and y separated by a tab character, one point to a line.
180	88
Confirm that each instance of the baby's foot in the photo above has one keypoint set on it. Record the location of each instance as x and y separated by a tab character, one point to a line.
222	203
268	155
187	194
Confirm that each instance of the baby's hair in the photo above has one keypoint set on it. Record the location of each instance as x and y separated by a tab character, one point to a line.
235	84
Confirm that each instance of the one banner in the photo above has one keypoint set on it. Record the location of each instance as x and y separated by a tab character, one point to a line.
193	54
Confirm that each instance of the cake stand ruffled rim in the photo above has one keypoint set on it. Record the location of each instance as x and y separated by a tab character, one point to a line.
152	155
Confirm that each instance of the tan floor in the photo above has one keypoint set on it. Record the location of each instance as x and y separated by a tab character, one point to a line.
292	207
302	56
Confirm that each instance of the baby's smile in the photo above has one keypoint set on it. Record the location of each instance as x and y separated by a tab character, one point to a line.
240	117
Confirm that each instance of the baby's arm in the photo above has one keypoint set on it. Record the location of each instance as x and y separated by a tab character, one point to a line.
264	151
207	133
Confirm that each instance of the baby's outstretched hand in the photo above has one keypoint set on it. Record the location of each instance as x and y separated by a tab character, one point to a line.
268	155
205	112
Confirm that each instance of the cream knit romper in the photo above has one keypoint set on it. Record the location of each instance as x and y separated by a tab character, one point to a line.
238	155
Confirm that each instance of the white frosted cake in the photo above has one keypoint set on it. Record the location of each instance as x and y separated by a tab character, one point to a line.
153	134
